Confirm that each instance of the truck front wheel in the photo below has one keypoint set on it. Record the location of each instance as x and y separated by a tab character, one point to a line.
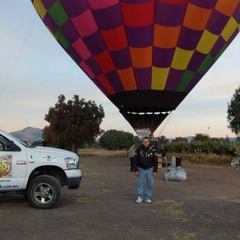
44	192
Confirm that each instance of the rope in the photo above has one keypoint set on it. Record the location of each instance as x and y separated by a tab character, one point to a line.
166	123
17	58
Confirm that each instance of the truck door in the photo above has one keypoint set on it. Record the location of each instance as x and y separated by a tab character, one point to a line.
13	165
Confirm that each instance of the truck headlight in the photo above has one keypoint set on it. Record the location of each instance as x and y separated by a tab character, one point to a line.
71	163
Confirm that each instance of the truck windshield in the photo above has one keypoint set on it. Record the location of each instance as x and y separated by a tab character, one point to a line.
23	143
4	141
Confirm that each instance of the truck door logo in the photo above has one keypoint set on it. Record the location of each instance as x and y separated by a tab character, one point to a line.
5	165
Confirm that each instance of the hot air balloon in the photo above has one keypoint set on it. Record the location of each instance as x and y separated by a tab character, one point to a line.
144	55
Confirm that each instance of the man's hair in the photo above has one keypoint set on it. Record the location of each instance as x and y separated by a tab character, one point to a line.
147	138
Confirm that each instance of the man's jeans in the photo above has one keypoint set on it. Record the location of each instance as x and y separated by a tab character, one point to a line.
148	174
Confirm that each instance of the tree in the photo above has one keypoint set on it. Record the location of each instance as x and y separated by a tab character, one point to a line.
115	140
73	124
201	137
233	112
162	140
180	139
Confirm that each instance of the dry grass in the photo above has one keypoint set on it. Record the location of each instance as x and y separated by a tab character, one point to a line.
205	159
102	153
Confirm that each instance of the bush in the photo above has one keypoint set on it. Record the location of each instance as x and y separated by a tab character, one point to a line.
210	146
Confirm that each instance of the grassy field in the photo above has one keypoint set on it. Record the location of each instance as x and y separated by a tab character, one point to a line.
205	159
88	152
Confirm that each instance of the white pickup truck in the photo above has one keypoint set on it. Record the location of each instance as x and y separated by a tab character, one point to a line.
39	173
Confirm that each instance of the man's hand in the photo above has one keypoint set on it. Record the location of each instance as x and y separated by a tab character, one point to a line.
154	174
136	173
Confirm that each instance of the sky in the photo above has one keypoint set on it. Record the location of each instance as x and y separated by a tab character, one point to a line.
35	70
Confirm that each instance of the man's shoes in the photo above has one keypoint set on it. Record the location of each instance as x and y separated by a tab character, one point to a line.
139	200
149	201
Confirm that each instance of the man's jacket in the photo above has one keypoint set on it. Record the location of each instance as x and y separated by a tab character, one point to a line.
145	158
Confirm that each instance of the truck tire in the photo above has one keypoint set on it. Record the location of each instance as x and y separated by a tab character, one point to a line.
44	192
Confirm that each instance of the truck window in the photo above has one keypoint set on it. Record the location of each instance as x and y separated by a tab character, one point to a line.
8	145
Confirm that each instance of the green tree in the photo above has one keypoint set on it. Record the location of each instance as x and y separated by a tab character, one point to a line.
201	137
162	140
233	113
180	139
116	140
73	124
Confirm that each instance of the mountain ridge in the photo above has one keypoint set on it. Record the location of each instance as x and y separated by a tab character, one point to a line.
28	134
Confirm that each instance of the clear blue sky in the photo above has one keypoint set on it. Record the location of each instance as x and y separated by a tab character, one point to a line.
35	70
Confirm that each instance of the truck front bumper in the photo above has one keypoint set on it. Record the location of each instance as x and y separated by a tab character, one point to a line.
74	178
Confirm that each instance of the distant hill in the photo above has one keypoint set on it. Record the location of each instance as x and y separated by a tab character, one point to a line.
189	138
28	134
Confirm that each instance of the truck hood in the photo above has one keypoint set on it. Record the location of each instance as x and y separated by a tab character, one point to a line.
53	151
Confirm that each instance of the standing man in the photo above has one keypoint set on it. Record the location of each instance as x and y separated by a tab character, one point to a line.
164	156
131	153
145	167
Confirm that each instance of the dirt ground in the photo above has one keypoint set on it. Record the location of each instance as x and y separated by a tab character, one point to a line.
205	206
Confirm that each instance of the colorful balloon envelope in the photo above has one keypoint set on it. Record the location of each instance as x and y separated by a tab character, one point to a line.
144	55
